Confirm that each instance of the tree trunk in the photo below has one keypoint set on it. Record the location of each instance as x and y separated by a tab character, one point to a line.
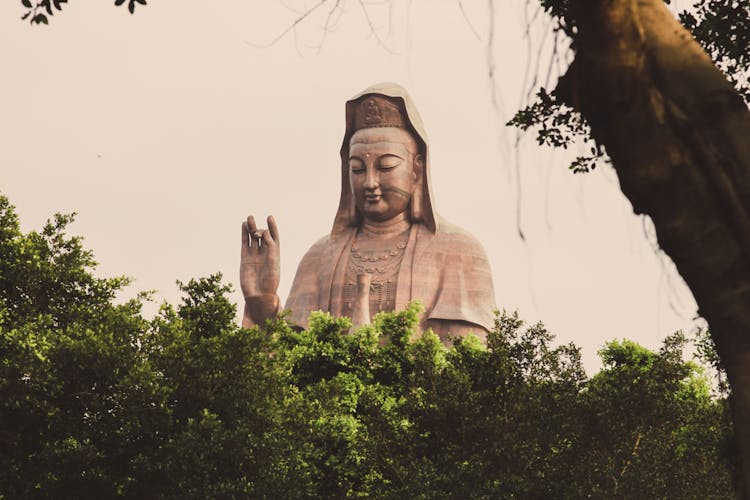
679	138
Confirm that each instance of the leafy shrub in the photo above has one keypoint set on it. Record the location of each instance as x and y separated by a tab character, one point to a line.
98	402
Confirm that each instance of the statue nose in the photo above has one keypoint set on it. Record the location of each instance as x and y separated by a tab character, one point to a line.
371	181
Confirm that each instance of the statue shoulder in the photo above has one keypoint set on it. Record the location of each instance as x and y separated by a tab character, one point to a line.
318	249
458	237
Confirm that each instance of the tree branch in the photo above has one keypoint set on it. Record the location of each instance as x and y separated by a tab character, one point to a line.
289	28
373	30
468	21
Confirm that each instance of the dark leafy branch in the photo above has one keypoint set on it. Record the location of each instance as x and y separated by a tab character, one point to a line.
722	27
559	126
39	12
36	12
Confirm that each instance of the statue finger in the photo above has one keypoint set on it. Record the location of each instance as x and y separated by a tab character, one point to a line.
267	240
252	228
245	236
273	228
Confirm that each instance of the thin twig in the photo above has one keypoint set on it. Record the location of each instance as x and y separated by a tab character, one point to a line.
517	149
327	25
290	8
374	31
468	21
390	17
540	49
289	28
633	454
491	53
552	59
527	37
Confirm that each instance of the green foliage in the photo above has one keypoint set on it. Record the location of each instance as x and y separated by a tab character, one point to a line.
660	416
722	27
559	125
98	402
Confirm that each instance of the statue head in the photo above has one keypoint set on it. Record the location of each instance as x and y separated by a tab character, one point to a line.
384	160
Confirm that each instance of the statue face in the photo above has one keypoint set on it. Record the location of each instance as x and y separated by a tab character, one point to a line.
384	169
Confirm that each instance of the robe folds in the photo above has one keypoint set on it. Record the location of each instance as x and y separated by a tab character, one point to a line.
447	271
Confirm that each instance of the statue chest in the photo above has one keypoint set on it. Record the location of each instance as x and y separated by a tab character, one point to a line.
380	259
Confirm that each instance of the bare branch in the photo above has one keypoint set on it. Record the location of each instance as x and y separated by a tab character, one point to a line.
552	59
633	454
373	30
390	17
527	37
291	27
328	26
491	56
291	9
532	87
519	187
468	21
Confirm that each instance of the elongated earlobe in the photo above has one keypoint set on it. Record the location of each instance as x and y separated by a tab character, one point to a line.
417	196
416	204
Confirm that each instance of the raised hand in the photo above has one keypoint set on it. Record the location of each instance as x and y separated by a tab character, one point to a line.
259	259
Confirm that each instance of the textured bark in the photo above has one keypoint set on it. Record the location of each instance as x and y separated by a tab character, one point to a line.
679	138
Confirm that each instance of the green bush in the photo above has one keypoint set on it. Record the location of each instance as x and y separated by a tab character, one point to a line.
97	402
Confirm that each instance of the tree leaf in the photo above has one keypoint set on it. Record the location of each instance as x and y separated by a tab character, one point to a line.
40	19
131	6
26	3
119	2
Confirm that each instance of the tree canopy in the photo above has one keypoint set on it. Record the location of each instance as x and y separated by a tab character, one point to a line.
97	400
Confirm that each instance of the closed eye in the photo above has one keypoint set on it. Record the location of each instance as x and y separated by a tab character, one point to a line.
389	162
356	166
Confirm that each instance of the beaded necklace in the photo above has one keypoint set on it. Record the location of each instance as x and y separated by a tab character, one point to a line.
381	258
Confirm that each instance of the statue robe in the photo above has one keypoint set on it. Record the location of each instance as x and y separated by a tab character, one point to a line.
447	270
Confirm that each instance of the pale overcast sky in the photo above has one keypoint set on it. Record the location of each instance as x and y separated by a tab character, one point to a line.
163	130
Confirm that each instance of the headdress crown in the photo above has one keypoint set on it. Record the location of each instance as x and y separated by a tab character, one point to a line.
377	111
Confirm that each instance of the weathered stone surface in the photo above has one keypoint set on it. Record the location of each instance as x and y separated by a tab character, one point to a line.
388	246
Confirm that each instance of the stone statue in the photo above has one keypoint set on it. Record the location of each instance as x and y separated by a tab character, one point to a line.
387	245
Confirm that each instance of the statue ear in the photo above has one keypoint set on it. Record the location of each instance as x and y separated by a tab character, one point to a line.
418	167
417	196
